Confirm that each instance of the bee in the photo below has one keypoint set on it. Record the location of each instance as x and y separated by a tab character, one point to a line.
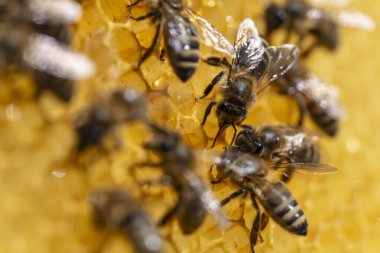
253	176
280	144
254	65
305	19
112	109
180	35
34	37
314	97
177	161
115	210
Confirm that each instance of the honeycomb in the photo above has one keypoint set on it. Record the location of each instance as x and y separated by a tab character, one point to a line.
43	193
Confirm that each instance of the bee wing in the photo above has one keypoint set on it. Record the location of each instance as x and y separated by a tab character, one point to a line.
354	19
56	12
211	36
325	95
279	59
318	168
46	54
295	135
249	47
211	204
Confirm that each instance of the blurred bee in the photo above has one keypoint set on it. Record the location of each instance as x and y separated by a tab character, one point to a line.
305	19
115	210
255	64
112	109
34	37
314	97
279	144
178	162
252	175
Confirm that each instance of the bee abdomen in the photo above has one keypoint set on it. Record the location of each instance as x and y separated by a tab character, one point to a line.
141	232
182	45
283	208
191	215
320	116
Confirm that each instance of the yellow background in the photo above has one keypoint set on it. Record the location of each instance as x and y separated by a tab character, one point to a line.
43	206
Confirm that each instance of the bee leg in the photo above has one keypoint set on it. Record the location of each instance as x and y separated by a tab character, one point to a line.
135	3
169	214
292	92
209	88
234	136
219	179
302	108
207	112
260	222
162	55
306	52
283	157
150	14
149	51
287	175
216	61
232	196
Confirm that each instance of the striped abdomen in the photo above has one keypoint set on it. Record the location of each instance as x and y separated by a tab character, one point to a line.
282	207
192	212
182	46
307	152
322	118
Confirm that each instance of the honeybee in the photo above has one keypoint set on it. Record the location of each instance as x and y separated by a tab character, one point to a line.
252	175
280	144
180	35
305	19
178	162
115	210
314	97
112	109
34	37
254	65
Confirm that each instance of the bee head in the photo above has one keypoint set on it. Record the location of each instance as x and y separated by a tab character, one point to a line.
275	17
94	126
229	113
247	141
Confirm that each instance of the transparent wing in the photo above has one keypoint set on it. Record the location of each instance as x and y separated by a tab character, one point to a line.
354	19
249	47
278	60
211	204
317	168
294	136
210	36
46	54
325	95
288	130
